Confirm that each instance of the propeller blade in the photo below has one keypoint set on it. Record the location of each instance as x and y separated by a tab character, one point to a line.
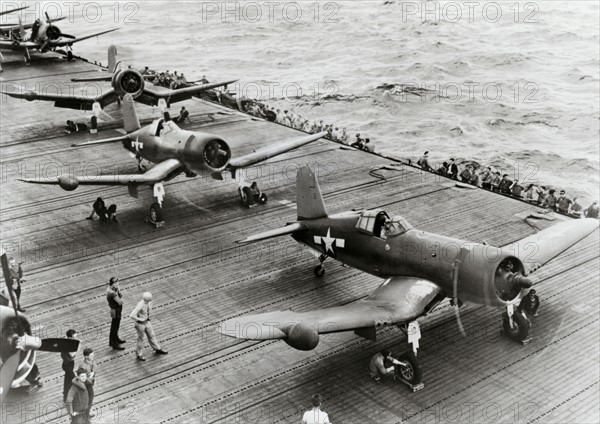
8	280
62	34
48	18
455	299
59	345
8	372
21	30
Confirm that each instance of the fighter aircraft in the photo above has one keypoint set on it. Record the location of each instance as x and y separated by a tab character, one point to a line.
18	348
174	151
420	269
124	80
44	36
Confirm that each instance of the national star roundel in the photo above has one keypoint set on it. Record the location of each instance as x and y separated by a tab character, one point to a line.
329	243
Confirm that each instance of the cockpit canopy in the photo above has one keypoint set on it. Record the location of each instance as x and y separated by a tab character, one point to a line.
160	127
377	222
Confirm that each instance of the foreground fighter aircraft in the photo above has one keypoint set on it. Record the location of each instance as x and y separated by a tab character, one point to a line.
44	36
420	268
17	346
174	151
124	80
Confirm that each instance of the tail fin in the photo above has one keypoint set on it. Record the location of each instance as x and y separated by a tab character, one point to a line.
308	195
130	118
112	58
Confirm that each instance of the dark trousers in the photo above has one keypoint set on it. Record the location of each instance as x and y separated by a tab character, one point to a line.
18	295
33	375
69	369
114	329
90	389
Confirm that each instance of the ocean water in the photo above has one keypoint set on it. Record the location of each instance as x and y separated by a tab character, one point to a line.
511	84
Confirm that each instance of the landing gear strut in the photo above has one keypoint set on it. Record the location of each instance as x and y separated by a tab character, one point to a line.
156	213
320	269
516	326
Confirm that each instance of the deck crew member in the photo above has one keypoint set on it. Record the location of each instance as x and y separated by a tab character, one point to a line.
68	365
141	316
530	304
563	203
89	367
16	274
377	368
592	211
114	296
315	415
77	401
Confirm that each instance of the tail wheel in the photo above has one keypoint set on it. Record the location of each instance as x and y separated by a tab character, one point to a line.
156	213
411	372
520	329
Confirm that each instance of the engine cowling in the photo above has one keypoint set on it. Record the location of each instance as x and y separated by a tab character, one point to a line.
128	81
53	33
302	337
488	275
205	153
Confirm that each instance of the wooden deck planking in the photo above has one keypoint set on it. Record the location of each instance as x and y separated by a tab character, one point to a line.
200	277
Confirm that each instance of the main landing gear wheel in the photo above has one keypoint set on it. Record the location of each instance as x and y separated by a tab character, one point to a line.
319	271
411	373
520	329
69	55
156	215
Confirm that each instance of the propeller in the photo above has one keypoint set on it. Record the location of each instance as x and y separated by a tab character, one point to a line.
23	342
455	300
11	366
55	31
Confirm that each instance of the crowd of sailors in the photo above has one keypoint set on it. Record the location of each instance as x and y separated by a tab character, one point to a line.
170	80
490	179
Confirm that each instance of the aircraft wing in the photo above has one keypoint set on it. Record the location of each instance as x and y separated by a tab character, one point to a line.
162	171
537	249
152	93
69	41
7	43
397	300
268	152
67	100
14	26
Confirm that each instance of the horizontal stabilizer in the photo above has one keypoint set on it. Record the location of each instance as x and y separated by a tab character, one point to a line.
277	232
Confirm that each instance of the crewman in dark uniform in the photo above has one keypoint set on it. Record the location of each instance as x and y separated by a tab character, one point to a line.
530	304
113	296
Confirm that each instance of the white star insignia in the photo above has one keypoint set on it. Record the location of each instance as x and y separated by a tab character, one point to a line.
138	145
329	242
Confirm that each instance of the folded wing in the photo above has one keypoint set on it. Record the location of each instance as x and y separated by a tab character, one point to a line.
539	248
152	93
268	152
64	42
